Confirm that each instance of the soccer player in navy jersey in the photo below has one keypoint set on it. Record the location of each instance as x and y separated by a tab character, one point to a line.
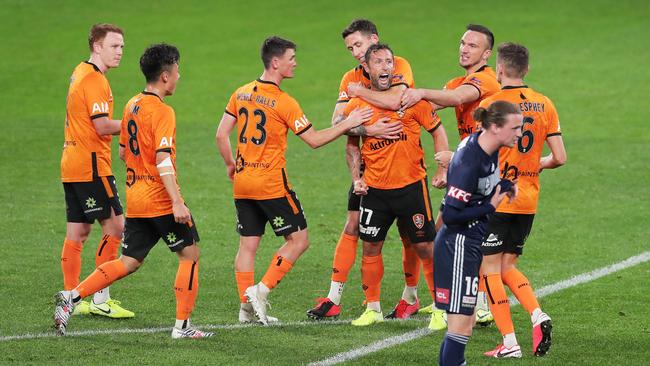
473	193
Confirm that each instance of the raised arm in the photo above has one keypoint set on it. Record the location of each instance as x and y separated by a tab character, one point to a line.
222	140
387	99
443	98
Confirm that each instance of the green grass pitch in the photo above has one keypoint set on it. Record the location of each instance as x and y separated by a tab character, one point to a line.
589	57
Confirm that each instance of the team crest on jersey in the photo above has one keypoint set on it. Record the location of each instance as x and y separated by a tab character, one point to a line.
418	220
343	95
400	112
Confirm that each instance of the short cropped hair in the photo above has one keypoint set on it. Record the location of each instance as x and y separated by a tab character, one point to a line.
99	31
274	46
374	48
158	58
495	114
482	29
360	25
514	57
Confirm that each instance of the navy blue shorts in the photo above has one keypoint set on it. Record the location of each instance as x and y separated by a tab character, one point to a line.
457	260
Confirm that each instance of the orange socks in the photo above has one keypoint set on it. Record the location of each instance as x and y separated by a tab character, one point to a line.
372	271
71	263
103	276
244	281
499	304
427	268
344	257
410	263
186	288
520	287
107	249
278	268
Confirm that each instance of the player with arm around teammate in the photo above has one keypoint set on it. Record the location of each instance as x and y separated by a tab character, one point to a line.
473	193
358	36
155	206
394	184
263	114
464	93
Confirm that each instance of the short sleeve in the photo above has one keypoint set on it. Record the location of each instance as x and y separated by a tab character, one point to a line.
480	81
343	87
293	116
403	74
553	128
165	130
426	116
231	108
97	95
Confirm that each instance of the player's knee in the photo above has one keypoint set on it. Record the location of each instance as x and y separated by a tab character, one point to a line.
131	264
190	253
351	229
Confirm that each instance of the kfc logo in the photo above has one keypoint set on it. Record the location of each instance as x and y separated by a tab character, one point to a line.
459	194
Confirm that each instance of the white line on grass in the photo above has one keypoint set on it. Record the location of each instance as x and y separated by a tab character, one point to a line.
544	291
392	341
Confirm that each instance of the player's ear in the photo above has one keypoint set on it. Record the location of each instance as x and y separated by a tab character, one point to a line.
374	38
487	53
164	76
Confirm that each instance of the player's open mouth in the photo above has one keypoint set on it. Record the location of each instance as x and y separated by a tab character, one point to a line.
384	77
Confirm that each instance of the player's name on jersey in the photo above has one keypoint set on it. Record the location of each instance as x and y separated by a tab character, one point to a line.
259	99
531	107
383	143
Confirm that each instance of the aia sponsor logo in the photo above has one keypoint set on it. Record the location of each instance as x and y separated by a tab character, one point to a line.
418	220
459	194
442	295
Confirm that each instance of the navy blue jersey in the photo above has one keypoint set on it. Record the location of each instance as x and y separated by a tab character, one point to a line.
471	179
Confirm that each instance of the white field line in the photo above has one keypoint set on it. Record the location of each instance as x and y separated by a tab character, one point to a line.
544	291
583	278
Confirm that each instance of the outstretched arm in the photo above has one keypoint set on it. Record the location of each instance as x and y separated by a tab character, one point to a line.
317	139
386	99
442	98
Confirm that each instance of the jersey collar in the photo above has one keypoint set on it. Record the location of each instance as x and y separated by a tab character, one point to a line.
94	66
150	93
514	87
267	82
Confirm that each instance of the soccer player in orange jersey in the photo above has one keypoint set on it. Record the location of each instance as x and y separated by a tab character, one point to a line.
155	207
464	93
88	182
263	114
510	225
394	183
358	36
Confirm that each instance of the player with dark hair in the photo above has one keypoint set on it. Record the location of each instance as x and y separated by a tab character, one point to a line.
358	37
263	114
394	183
464	93
473	193
88	181
510	225
155	207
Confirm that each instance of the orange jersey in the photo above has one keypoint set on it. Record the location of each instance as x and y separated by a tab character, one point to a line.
402	75
391	164
522	160
148	126
485	80
264	115
85	153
